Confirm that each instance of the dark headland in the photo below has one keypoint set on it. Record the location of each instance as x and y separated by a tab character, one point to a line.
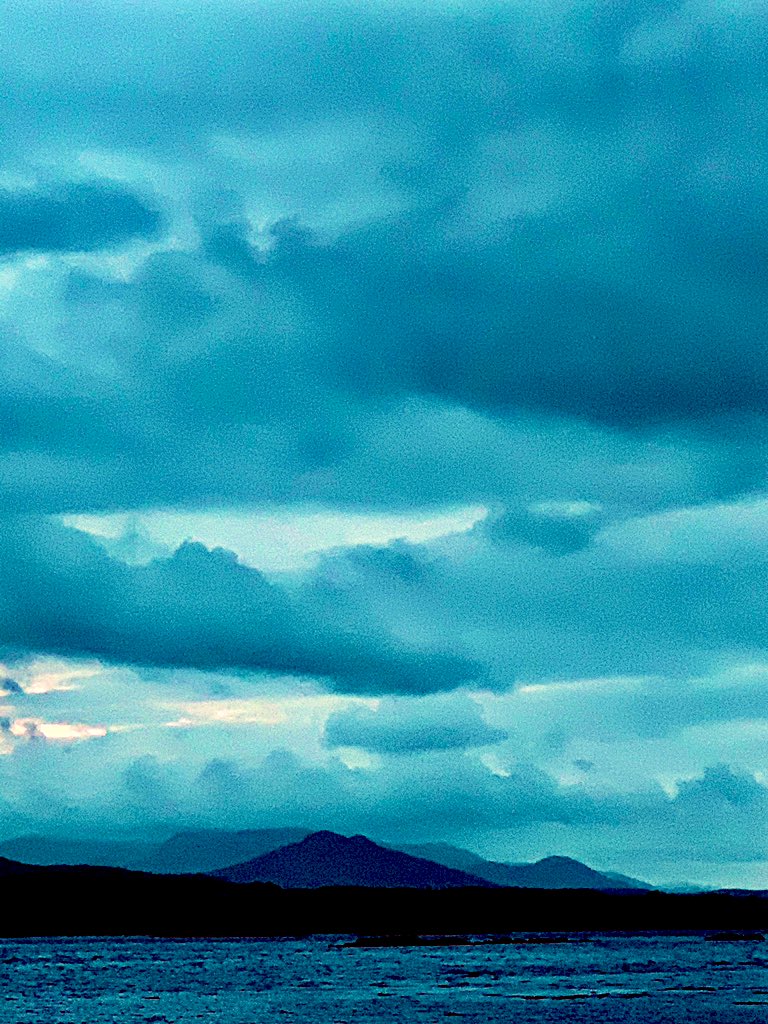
107	901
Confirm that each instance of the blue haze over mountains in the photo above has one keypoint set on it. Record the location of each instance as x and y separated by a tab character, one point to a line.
300	858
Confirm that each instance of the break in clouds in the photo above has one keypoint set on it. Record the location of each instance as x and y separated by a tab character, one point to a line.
392	260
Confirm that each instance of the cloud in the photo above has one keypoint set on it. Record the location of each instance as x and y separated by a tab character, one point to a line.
534	250
721	784
9	687
616	606
558	527
652	708
72	218
402	726
226	712
447	794
57	732
61	593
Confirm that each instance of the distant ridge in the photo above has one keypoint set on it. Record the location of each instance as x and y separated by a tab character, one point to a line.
204	851
328	859
627	882
207	850
46	851
566	873
185	853
548	873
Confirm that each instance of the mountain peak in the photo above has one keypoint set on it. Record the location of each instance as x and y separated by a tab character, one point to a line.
557	860
324	835
553	872
329	859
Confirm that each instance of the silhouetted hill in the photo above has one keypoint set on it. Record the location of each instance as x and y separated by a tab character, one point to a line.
112	901
12	868
739	893
549	873
209	849
563	873
325	858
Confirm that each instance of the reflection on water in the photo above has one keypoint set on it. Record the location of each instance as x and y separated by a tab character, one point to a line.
652	978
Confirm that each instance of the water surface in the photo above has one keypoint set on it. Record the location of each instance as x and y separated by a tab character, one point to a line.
607	978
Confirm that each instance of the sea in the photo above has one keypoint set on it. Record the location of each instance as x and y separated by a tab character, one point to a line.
649	978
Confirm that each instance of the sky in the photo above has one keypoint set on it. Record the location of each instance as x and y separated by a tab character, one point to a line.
383	424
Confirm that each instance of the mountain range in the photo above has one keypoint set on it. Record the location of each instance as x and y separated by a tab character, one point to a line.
298	857
548	873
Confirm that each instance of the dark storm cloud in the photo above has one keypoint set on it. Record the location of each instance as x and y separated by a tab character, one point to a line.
72	218
502	325
458	212
188	387
408	727
446	790
613	608
61	593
